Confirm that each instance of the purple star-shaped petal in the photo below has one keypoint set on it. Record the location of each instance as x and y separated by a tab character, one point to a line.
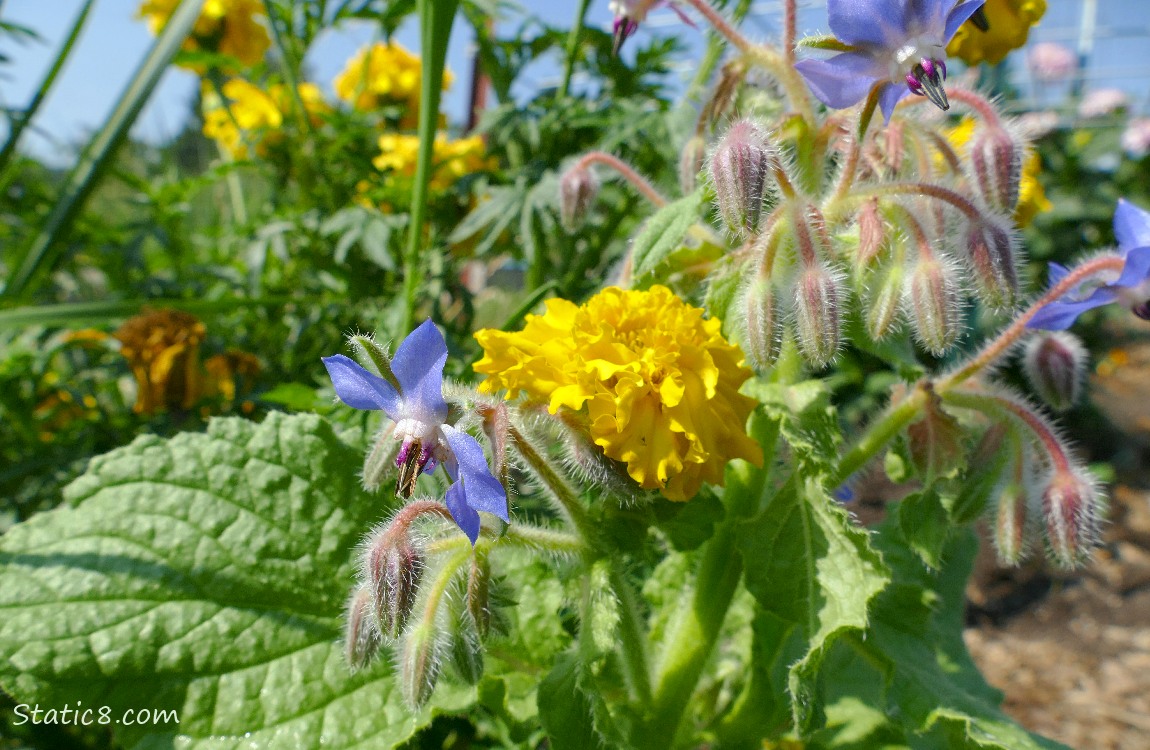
1132	228
420	413
898	45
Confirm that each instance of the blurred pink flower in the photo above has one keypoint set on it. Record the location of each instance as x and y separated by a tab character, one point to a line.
1136	137
1052	62
1034	125
1103	102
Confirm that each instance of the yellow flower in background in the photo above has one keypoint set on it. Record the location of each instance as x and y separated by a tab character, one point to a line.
384	74
225	26
1032	198
163	350
1010	22
252	114
452	159
658	382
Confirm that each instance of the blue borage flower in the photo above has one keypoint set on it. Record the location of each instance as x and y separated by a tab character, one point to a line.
413	399
1132	286
899	45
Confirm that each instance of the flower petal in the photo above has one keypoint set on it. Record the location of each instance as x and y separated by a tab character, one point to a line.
843	80
481	489
875	23
889	97
1137	268
465	516
359	388
1059	315
958	16
418	366
1131	225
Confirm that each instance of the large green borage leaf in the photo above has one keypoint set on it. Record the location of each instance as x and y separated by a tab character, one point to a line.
206	574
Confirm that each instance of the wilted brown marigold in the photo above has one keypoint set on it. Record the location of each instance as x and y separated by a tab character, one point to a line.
163	349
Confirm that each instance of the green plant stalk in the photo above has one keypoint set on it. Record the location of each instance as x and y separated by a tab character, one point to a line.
878	435
693	638
559	489
21	121
289	68
98	313
45	248
435	20
572	50
632	636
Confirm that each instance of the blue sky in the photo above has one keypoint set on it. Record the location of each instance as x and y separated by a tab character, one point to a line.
114	43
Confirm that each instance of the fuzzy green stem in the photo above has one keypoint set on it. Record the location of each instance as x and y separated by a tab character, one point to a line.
879	434
572	49
850	167
438	588
988	403
628	173
721	25
1005	340
632	636
788	77
559	488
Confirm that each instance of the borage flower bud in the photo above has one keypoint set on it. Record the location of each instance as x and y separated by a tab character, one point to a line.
818	313
996	167
1070	507
1011	523
578	188
361	640
420	660
691	161
393	568
1054	364
884	302
872	233
762	329
935	303
741	171
990	248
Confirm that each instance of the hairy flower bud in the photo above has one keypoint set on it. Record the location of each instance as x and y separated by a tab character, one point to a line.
818	314
1011	523
741	170
990	247
380	460
691	163
935	304
578	188
420	659
393	567
1054	363
762	329
882	310
1070	507
361	640
996	167
872	233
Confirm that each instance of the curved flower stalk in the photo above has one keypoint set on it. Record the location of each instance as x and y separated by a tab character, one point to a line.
898	46
411	394
1130	287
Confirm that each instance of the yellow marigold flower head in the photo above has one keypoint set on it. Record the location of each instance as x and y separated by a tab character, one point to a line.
657	381
163	350
252	114
225	26
1010	22
453	159
382	74
1032	198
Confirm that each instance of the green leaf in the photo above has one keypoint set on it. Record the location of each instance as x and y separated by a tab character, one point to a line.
206	574
663	233
916	635
814	568
565	707
925	524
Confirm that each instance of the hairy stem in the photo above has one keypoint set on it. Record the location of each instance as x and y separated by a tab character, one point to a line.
994	405
623	168
720	24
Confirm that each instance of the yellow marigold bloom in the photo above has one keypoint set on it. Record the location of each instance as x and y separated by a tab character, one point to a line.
1010	22
163	350
253	114
231	373
225	26
452	159
1032	198
383	74
657	381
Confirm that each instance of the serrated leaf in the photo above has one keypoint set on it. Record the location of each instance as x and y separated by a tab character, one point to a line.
814	568
207	574
663	233
925	525
565	707
935	442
